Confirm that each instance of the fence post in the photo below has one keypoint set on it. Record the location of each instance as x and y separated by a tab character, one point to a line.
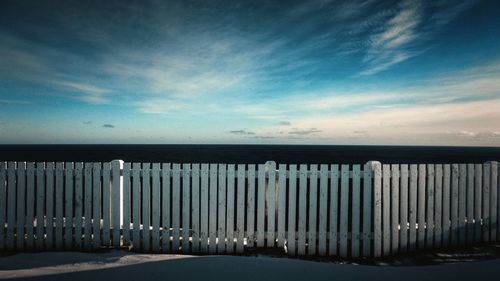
377	207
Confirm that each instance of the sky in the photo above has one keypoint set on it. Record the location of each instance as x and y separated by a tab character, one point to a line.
250	72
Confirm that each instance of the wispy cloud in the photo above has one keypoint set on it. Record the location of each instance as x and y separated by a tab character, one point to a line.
11	102
241	132
110	126
309	131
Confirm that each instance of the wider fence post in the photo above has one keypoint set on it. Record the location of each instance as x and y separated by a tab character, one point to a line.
377	207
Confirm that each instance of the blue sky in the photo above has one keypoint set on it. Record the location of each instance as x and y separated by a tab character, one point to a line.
301	72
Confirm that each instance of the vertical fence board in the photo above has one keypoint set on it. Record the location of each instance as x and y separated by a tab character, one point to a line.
96	204
386	209
49	203
271	204
395	209
250	207
3	202
68	204
195	207
115	203
106	204
367	209
78	195
212	227
478	192
155	207
344	209
240	208
221	226
230	209
301	247
165	206
126	204
356	208
412	210
59	192
438	207
146	207
446	204
493	200
421	205
136	205
30	204
377	208
454	203
176	206
21	197
470	203
186	208
430	206
462	201
313	209
87	215
11	205
486	201
40	206
281	204
261	204
292	211
323	209
403	214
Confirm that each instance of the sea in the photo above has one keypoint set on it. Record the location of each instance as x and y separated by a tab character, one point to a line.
250	154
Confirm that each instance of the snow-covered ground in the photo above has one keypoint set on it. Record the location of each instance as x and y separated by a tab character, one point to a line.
121	265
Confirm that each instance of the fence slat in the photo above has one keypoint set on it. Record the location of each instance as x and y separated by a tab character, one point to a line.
165	206
430	207
21	197
462	200
176	207
281	204
49	203
344	209
68	204
230	209
446	204
126	204
470	203
212	227
367	209
386	209
403	214
395	209
478	192
3	202
40	206
438	207
30	204
292	211
313	209
146	207
186	208
136	206
115	203
155	208
250	207
87	215
454	203
301	247
377	208
271	204
493	200
486	201
240	208
421	205
96	205
323	209
221	227
78	195
261	204
106	204
412	210
11	204
356	194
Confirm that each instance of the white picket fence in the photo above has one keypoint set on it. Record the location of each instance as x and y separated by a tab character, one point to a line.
369	210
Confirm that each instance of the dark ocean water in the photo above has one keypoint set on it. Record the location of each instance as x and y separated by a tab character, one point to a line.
282	154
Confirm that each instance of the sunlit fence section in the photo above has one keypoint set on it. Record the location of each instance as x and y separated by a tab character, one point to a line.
368	210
